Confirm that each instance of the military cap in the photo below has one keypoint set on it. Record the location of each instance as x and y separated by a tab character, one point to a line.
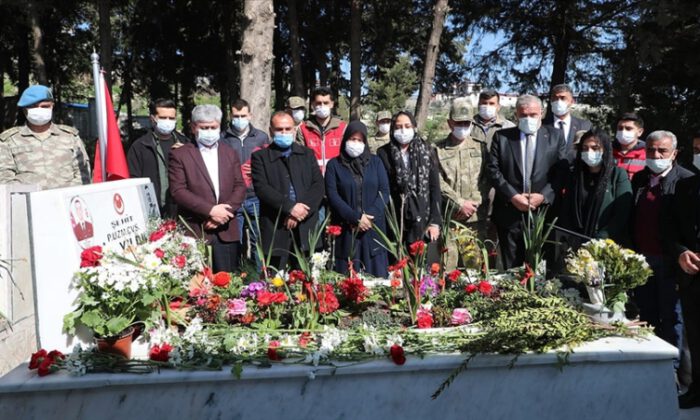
294	102
383	115
459	112
33	95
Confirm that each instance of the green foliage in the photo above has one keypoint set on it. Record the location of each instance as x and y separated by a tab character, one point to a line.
396	85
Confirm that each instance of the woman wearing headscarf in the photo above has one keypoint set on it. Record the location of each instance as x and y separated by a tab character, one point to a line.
414	180
596	198
357	188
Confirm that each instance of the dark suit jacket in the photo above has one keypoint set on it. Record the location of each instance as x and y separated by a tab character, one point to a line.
505	169
271	180
193	191
682	222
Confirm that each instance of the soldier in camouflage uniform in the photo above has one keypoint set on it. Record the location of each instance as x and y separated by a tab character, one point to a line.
488	120
381	137
463	179
41	152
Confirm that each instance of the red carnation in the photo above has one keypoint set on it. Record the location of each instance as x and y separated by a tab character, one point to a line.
47	366
272	351
221	279
91	257
159	253
168	226
471	288
37	358
454	275
424	318
266	298
160	353
158	234
55	355
304	339
399	265
353	289
527	275
485	288
416	248
334	230
435	269
180	261
327	301
207	273
397	354
296	275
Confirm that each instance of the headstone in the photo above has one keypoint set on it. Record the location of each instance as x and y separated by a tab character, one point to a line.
64	222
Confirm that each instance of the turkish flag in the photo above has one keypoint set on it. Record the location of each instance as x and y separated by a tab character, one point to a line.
116	160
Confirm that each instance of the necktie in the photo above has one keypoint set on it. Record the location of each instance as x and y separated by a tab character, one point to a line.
529	161
561	127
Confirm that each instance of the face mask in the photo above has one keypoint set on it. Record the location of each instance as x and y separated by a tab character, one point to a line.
462	133
322	111
696	160
592	158
283	140
625	137
208	137
354	148
39	116
298	115
529	125
165	126
657	166
560	108
239	124
384	127
487	112
405	135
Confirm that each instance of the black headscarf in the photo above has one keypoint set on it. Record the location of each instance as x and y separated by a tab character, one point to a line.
356	165
586	210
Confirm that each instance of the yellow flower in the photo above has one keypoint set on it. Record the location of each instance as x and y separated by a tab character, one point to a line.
278	282
300	297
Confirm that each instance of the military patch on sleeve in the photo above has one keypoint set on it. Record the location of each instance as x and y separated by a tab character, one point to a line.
8	133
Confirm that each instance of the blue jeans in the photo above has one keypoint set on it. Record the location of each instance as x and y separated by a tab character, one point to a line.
249	232
659	303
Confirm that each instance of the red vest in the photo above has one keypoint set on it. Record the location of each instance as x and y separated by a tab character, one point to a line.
325	145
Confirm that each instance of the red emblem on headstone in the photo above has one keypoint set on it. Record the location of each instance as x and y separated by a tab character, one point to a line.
118	204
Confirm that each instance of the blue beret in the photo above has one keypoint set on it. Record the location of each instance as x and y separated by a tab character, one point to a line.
34	94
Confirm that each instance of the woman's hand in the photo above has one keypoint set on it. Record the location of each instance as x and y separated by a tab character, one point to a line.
365	222
433	232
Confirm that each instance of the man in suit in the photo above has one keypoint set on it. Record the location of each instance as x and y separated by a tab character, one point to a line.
561	100
290	187
207	185
522	164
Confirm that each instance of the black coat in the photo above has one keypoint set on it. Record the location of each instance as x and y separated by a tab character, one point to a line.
142	159
505	169
271	181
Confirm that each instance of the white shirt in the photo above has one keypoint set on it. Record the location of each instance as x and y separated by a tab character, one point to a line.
567	125
211	161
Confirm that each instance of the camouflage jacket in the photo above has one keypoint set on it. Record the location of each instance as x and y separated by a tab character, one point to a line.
484	133
463	174
377	141
58	160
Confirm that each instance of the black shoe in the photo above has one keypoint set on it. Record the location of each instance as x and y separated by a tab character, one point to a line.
690	399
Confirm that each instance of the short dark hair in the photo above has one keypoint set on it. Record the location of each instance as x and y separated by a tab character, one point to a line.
278	114
322	91
161	103
632	116
563	87
488	94
240	104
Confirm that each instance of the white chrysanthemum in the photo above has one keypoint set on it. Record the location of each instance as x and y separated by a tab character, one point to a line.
371	344
151	262
392	339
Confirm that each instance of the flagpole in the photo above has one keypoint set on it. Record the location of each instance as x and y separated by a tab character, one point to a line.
100	112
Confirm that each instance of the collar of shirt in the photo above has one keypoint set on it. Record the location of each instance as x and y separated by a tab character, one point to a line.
655	179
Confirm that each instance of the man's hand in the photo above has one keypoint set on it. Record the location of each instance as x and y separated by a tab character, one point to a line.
689	262
365	223
299	211
221	213
536	200
291	223
210	225
245	169
468	208
521	202
433	232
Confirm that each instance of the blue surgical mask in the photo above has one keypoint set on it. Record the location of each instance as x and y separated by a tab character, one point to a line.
657	166
283	140
560	108
592	158
240	123
208	137
529	125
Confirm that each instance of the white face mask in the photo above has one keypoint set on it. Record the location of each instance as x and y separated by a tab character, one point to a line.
658	166
384	127
625	137
208	137
298	115
592	158
560	107
696	160
165	127
322	111
39	116
487	112
529	125
405	135
354	148
462	133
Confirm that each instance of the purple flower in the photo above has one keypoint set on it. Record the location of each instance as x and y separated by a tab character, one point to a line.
252	289
428	285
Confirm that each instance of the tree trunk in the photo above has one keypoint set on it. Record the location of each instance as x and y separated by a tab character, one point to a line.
257	59
38	46
431	56
561	48
355	58
23	66
105	27
226	85
295	49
